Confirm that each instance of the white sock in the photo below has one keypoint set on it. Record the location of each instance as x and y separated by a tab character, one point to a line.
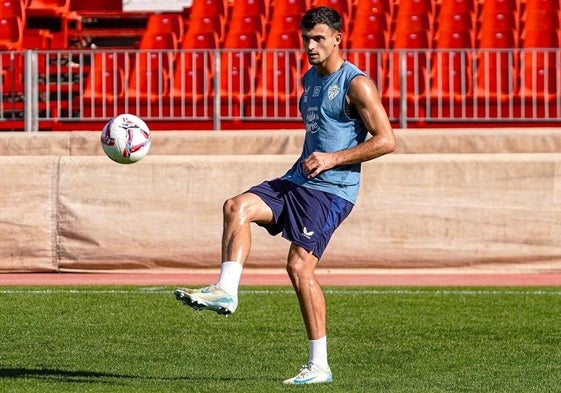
318	352
229	279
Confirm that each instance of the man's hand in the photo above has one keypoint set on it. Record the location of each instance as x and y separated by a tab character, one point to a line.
316	163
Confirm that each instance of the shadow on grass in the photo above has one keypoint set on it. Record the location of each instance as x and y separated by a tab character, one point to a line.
58	374
92	376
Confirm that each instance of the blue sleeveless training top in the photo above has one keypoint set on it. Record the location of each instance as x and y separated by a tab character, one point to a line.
329	129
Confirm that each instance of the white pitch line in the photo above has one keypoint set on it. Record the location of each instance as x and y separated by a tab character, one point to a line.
160	290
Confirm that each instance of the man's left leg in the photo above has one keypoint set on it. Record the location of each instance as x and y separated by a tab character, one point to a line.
301	270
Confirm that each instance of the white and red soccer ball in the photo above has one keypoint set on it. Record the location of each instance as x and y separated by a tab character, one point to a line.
125	139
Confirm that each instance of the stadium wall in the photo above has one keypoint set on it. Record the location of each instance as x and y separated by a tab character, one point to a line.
447	199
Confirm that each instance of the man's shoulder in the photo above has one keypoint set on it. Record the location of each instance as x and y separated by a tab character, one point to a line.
353	68
310	71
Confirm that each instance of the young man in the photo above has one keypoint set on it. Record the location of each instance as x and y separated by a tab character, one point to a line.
340	106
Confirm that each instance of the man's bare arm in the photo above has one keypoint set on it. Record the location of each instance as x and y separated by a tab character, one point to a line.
364	96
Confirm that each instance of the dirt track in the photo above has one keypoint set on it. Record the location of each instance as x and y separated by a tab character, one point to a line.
278	277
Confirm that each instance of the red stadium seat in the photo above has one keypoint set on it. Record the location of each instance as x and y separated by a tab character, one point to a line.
457	6
373	61
246	23
159	40
201	8
48	8
251	7
13	8
158	49
547	5
283	40
192	92
366	24
413	21
496	65
193	73
241	49
201	40
105	81
537	20
497	39
412	46
368	52
455	21
415	77
243	40
150	73
344	7
289	7
275	93
415	6
12	73
461	39
146	81
374	39
450	75
499	20
491	6
166	22
539	74
197	54
494	74
368	62
288	47
373	7
11	33
235	86
403	39
207	24
541	39
284	23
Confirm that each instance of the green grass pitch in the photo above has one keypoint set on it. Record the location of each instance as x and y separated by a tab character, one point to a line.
140	339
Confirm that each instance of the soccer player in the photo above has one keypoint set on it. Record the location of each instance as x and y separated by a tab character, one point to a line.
340	106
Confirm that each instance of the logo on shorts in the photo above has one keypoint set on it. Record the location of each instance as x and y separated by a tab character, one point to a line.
307	234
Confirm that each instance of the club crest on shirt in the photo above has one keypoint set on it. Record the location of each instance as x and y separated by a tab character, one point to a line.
333	91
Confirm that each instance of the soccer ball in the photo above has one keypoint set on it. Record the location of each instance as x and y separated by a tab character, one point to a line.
125	139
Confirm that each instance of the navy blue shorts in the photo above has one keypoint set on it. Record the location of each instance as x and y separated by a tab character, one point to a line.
305	216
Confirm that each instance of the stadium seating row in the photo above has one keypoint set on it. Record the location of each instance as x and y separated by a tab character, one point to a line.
490	74
371	24
475	23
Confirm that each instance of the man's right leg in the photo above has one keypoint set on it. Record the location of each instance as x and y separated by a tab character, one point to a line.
238	213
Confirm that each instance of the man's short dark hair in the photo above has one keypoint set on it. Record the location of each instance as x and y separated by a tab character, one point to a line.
321	15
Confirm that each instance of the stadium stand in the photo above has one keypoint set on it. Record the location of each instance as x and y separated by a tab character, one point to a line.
463	61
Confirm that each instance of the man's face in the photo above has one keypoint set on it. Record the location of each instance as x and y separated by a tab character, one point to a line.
320	42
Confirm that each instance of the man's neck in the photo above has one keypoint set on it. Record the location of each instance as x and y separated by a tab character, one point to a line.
331	65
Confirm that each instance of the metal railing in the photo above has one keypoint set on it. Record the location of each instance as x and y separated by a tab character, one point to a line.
416	86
